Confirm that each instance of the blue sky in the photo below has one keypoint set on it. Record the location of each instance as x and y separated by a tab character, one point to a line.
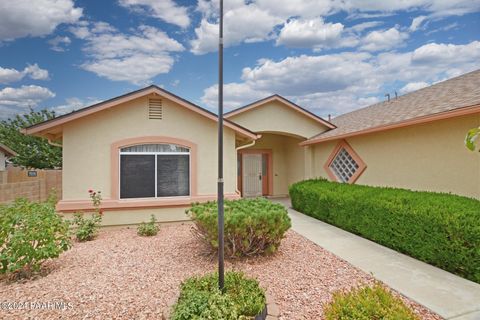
329	56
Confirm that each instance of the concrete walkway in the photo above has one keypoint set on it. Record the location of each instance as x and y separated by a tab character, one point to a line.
446	294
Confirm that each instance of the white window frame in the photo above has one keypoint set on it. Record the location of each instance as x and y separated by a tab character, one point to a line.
156	154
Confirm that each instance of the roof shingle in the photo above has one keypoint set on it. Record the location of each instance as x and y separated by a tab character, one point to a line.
452	94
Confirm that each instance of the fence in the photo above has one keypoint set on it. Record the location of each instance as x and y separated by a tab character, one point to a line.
16	182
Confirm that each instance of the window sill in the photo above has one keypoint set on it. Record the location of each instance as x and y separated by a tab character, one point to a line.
125	204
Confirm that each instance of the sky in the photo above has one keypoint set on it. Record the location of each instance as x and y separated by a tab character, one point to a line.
329	56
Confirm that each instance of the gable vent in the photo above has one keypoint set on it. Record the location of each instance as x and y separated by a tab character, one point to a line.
155	109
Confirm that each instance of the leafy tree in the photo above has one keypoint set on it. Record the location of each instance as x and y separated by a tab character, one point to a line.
32	152
471	138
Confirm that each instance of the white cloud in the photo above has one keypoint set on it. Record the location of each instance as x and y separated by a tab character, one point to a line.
416	22
22	18
242	23
24	97
8	75
73	104
440	54
35	72
383	39
358	28
136	57
235	95
310	33
337	83
259	20
413	86
166	10
59	43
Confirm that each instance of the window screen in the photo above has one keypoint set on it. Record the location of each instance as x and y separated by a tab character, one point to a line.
173	175
137	176
154	170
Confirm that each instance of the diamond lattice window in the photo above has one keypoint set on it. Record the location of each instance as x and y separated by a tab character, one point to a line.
345	165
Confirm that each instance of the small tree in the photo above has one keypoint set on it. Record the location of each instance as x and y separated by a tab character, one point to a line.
32	152
471	138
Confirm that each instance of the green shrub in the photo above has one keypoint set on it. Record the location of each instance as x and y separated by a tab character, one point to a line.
440	229
148	229
30	234
367	303
87	228
200	298
252	226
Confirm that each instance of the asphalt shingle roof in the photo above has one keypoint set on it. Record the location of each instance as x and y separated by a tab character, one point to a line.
455	93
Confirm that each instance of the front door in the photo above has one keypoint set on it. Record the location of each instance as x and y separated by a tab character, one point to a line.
252	175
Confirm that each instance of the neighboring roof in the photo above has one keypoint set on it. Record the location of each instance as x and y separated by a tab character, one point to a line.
7	151
43	127
454	97
280	99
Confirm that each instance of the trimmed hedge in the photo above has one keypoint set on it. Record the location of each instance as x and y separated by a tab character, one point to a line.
252	226
200	298
440	229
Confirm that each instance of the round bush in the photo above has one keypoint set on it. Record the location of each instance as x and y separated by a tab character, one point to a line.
30	233
368	303
252	226
200	298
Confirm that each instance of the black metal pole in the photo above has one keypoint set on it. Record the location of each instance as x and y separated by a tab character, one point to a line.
221	279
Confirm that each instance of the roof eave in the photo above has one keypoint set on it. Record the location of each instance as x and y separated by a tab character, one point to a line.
418	120
40	128
278	97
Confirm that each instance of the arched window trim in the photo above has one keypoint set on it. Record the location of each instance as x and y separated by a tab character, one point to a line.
115	163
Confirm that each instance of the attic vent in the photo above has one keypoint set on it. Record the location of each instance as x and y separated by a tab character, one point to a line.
155	109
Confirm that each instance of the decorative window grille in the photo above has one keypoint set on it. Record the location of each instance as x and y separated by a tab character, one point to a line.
155	109
344	166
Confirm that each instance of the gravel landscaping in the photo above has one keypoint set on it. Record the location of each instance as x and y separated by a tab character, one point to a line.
124	276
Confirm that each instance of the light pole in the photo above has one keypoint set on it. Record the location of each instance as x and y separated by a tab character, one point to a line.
221	271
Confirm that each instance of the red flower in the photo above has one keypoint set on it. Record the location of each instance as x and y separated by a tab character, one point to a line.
100	212
90	190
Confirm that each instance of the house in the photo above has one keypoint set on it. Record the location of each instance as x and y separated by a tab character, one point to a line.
151	152
5	152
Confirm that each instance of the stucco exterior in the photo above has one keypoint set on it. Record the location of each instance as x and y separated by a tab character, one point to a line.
288	160
430	157
87	155
422	153
276	117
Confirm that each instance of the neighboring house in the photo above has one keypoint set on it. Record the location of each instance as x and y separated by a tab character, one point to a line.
5	152
151	152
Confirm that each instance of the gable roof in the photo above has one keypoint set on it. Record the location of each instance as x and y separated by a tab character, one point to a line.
454	97
284	101
7	151
43	127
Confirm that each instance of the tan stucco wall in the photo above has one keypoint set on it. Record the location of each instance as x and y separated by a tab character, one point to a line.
288	160
130	217
429	156
87	142
277	117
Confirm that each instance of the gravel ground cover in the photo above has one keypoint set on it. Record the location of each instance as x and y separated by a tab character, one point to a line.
121	275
